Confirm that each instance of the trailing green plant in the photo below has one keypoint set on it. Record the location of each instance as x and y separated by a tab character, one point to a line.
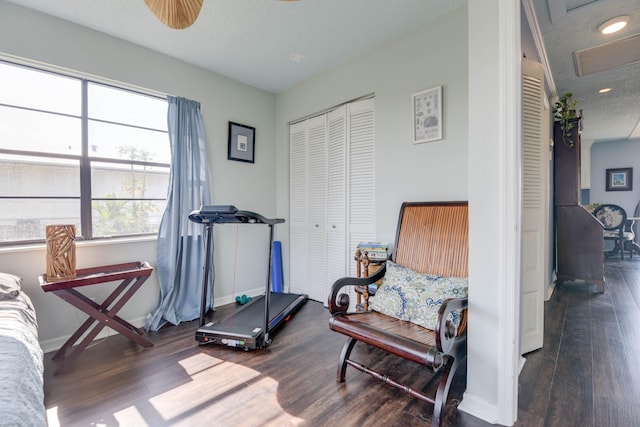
565	110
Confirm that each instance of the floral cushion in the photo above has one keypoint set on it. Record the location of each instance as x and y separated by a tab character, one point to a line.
408	295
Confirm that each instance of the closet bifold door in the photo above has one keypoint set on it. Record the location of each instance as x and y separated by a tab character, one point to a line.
337	256
535	209
308	189
361	187
332	195
317	202
299	236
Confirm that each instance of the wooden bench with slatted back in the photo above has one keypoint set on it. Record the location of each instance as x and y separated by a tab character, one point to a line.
431	238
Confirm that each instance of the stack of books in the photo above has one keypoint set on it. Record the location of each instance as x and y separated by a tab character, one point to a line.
375	250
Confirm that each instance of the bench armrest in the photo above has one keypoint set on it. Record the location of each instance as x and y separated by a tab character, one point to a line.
448	334
339	302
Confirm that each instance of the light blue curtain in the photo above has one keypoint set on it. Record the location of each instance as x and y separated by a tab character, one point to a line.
180	265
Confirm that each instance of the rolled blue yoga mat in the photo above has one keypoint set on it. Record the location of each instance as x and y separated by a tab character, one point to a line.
276	267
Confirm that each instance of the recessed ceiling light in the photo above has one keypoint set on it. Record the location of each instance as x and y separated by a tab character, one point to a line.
605	90
297	57
613	24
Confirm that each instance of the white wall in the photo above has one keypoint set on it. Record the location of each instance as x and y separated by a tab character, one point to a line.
38	37
614	155
433	55
495	173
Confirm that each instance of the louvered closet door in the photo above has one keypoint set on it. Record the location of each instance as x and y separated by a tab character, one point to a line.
332	190
535	131
299	232
337	256
361	175
317	175
308	186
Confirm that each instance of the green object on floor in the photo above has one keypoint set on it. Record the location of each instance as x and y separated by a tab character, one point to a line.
243	299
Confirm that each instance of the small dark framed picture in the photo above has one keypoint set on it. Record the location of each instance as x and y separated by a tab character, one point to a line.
620	179
242	142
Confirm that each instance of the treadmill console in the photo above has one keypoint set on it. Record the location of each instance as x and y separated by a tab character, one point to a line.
218	209
227	214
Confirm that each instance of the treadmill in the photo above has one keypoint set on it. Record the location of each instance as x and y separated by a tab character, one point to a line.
249	327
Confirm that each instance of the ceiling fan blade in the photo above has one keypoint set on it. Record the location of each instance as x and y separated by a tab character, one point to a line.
177	14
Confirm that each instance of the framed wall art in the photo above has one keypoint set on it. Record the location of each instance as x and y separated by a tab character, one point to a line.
242	142
427	115
620	179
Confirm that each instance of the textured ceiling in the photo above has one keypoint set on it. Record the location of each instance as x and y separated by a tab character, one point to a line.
252	40
571	25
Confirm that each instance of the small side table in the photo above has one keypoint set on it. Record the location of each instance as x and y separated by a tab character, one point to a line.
132	275
364	268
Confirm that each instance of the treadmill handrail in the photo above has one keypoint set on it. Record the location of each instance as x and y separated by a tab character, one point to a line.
229	215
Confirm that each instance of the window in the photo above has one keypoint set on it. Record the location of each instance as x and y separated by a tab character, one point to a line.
75	151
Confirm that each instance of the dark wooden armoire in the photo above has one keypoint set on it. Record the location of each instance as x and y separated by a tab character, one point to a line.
579	241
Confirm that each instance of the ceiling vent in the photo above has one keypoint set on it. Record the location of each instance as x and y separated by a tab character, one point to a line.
607	56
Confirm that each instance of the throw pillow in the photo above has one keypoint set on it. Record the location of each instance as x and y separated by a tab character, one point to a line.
408	295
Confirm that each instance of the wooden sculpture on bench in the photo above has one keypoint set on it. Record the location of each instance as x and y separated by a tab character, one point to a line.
419	313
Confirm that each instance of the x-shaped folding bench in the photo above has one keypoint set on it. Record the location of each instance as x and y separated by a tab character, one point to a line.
132	275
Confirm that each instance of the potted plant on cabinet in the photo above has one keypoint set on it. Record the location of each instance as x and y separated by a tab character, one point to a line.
564	113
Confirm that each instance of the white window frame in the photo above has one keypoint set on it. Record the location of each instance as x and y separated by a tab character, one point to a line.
85	159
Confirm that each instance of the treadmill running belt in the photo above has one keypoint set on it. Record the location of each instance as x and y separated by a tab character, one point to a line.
243	328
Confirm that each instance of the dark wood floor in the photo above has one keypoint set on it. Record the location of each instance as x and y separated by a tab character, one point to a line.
584	376
587	373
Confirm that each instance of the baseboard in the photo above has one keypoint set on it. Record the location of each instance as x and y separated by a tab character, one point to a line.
521	364
479	408
55	343
551	287
228	299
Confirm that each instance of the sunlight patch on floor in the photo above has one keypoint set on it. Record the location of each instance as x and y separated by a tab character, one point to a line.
220	392
199	362
130	417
